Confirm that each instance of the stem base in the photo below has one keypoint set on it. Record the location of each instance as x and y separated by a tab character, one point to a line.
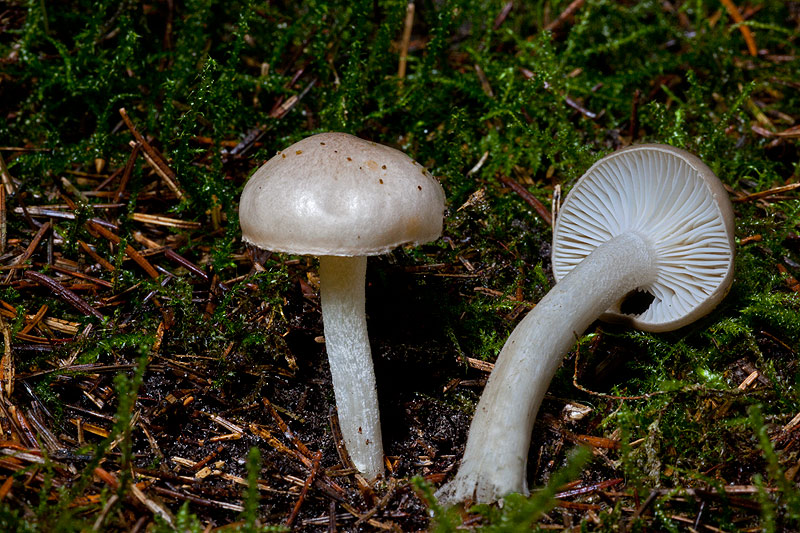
496	455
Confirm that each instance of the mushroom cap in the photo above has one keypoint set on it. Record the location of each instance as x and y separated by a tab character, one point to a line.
336	194
676	203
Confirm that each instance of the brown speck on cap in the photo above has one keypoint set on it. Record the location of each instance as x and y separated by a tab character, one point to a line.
299	152
322	143
381	182
419	187
283	156
383	167
349	158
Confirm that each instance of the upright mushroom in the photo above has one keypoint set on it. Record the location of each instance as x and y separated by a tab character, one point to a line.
342	198
649	218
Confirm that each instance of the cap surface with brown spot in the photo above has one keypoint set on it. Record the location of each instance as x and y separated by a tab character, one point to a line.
336	194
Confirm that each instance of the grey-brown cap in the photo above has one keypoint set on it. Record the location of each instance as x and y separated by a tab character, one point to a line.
336	194
672	199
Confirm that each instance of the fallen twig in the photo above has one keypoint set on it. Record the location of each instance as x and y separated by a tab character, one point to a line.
132	253
304	490
7	366
769	192
126	174
153	157
534	202
733	11
65	294
574	6
407	25
30	249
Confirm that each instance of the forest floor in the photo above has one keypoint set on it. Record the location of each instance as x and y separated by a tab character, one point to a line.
157	374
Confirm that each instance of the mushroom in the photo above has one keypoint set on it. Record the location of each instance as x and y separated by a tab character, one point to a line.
649	218
342	198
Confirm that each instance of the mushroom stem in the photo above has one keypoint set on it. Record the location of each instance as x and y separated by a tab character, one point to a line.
496	455
342	282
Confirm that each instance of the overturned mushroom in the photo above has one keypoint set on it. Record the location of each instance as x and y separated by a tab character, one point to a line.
342	198
649	218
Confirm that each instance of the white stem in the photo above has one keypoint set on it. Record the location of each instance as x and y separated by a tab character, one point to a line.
495	459
342	282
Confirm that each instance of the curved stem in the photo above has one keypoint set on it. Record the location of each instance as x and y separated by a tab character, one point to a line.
495	459
342	282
